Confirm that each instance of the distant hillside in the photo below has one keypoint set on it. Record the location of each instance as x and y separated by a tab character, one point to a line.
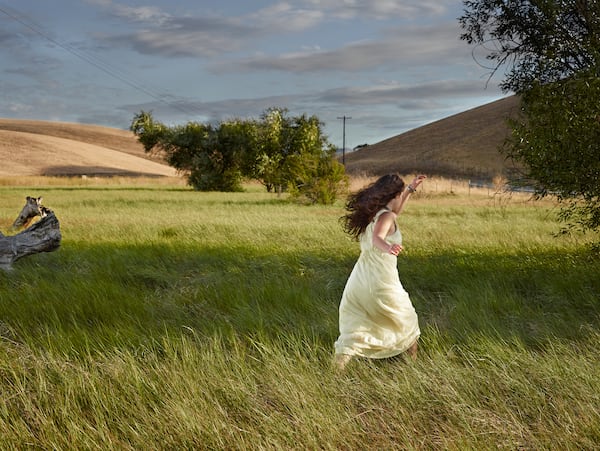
464	145
55	148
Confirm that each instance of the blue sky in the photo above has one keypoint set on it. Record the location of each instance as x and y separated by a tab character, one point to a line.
390	66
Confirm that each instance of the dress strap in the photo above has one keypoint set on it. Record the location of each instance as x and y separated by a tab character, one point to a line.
380	212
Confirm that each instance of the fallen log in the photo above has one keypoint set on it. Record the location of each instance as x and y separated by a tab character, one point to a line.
42	236
33	207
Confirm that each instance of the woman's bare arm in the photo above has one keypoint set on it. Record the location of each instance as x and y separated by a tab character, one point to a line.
386	224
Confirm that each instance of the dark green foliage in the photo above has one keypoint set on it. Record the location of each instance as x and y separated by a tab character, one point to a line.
292	153
181	145
151	134
210	157
308	165
279	151
534	41
272	149
559	141
322	181
550	51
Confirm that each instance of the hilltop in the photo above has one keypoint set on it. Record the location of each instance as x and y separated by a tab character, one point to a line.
465	145
29	147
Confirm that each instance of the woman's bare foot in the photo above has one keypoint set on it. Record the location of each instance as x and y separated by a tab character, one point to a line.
412	351
340	361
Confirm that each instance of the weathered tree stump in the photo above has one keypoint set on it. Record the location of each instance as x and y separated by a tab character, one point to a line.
42	236
33	207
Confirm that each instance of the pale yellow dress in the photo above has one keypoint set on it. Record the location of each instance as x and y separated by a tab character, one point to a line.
376	317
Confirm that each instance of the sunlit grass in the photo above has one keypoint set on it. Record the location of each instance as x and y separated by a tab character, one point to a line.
173	319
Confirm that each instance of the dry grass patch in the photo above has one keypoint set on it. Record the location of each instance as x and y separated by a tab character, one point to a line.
30	148
84	180
462	145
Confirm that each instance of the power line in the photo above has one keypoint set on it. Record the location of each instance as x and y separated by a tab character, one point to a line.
94	61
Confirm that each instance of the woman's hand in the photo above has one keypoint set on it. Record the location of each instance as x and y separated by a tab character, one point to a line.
395	249
417	181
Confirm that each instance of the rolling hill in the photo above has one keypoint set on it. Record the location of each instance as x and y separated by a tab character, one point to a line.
30	147
464	145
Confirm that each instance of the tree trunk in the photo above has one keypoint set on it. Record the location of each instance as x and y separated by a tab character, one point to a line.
43	236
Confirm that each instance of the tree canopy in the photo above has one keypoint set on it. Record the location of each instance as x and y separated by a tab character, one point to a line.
282	152
549	51
534	40
558	139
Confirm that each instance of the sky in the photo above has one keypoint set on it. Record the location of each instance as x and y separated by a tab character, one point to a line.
387	66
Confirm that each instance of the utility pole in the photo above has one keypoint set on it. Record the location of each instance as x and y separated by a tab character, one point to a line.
344	138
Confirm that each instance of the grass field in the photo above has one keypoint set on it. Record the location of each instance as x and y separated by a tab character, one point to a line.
173	319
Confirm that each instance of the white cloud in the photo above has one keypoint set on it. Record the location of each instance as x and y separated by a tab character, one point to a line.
235	59
283	17
19	108
146	14
380	9
411	97
207	33
397	49
394	93
211	34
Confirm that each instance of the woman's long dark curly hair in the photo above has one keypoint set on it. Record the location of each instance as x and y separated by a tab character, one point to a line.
363	205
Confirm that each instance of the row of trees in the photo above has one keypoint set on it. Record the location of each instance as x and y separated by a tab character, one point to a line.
282	152
549	51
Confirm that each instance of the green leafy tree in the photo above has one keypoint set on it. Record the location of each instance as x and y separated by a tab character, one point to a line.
327	181
533	40
150	133
272	149
311	169
292	153
220	164
211	157
549	51
282	152
558	139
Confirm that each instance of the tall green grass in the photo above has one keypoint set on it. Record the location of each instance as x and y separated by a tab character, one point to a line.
172	319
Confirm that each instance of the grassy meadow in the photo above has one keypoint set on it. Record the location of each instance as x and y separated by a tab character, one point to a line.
173	319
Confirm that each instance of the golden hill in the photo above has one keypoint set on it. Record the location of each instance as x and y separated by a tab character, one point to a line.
465	145
30	147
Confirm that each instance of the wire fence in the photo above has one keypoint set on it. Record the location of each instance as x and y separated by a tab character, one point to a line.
496	187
